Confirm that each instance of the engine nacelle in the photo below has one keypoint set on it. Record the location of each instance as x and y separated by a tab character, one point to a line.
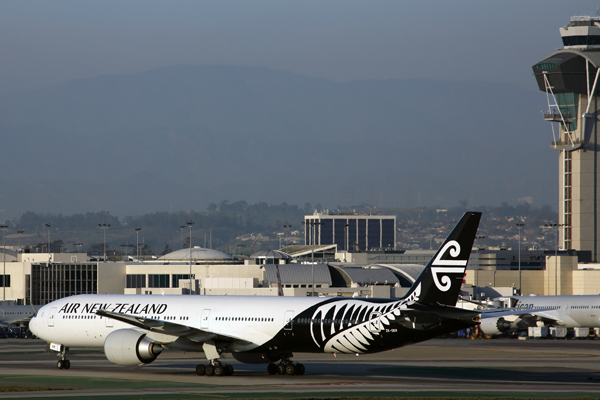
130	347
494	326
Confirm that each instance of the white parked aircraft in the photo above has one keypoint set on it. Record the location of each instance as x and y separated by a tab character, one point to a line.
16	315
569	311
134	329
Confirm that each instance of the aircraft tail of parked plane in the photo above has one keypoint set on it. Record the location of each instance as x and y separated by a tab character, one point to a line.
134	329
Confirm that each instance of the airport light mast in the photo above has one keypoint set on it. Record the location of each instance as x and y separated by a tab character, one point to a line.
4	228
104	226
190	224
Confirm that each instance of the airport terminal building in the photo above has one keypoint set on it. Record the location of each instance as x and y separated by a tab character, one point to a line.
41	277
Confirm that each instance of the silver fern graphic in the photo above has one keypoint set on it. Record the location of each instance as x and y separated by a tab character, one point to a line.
355	324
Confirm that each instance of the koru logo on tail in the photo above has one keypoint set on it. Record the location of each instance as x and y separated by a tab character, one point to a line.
447	266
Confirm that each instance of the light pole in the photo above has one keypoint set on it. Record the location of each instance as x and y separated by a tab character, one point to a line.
190	224
555	225
181	228
346	237
20	231
286	227
478	261
78	244
104	226
313	224
48	225
4	228
519	226
137	242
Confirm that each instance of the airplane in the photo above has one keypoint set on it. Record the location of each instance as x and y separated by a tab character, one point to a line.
134	329
16	315
569	311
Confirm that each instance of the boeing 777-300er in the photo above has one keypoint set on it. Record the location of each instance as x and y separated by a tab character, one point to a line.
569	311
134	329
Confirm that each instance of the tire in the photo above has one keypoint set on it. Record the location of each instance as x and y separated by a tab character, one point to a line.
200	369
60	364
272	369
67	364
281	369
219	370
290	369
300	369
228	370
209	370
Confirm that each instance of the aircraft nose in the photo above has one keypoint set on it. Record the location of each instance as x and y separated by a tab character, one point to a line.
34	324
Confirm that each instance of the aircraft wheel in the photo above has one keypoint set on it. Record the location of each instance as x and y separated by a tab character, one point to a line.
281	369
300	369
228	370
272	369
60	364
200	369
209	370
218	370
67	364
290	369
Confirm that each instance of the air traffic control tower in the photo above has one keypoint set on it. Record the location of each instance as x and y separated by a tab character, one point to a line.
570	79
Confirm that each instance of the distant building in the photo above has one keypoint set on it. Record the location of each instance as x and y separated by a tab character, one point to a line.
351	231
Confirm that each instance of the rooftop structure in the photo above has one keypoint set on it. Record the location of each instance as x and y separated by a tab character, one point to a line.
198	254
582	33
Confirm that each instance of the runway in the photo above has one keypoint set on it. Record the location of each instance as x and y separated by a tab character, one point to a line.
441	368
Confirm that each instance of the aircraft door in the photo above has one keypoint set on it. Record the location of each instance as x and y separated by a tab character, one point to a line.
204	318
288	320
109	322
1	315
51	316
567	308
375	322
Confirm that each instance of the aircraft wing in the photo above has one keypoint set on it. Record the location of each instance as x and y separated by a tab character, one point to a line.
168	328
17	322
500	312
534	316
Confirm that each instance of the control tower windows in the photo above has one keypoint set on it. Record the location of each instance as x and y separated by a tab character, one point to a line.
581	40
568	104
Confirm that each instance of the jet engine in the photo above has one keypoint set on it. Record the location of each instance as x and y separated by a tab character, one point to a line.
494	326
130	347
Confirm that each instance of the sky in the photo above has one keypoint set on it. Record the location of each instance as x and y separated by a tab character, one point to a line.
46	43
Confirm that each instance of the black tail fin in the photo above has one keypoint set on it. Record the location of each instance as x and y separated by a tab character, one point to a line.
440	281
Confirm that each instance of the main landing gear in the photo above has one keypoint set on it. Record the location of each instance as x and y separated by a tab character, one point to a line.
286	367
214	368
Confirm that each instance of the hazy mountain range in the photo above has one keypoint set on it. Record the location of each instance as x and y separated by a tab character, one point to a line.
179	138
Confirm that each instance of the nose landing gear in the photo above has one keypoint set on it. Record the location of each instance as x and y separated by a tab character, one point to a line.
63	363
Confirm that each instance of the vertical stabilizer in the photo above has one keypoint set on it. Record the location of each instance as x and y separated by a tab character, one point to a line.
441	280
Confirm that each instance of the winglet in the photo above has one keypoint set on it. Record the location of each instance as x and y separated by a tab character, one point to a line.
440	281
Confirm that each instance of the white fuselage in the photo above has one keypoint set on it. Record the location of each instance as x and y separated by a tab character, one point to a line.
569	311
72	321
